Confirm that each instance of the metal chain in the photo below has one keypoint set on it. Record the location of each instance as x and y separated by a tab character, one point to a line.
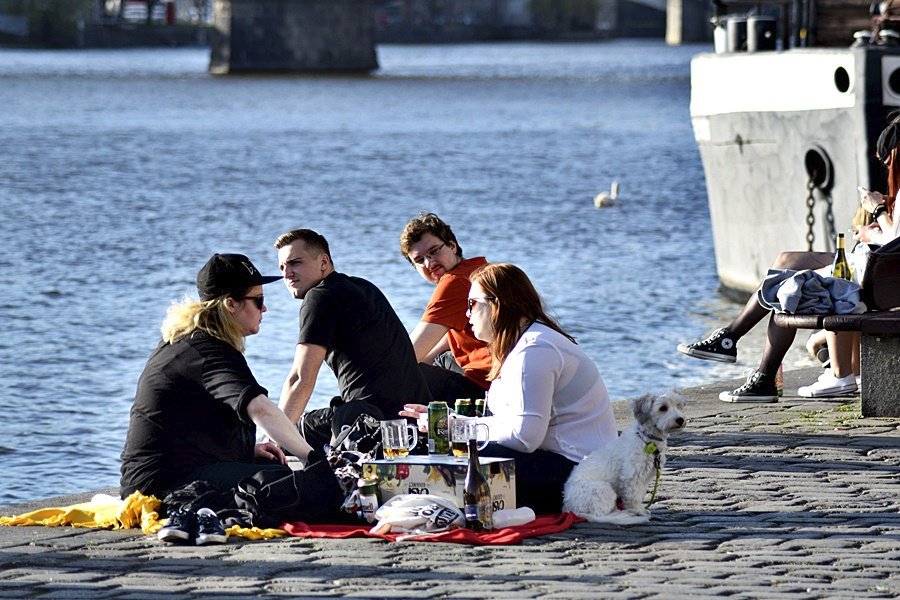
829	218
810	217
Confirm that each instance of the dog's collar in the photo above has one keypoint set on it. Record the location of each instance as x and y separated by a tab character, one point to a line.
647	438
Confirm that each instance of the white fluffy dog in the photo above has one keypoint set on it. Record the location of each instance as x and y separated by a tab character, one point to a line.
609	485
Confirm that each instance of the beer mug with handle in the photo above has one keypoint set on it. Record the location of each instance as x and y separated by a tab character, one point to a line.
397	438
463	429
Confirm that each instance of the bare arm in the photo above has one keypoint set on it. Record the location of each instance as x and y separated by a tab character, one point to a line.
441	347
298	386
882	230
427	338
277	427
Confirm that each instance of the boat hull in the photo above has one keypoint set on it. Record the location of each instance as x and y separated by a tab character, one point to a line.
768	122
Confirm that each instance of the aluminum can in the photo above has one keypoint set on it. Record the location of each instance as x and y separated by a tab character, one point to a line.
464	407
480	407
438	430
368	499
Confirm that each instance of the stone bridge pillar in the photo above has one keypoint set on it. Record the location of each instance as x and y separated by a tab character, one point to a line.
688	21
292	36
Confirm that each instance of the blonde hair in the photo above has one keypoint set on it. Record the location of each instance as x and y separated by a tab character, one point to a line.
861	218
210	316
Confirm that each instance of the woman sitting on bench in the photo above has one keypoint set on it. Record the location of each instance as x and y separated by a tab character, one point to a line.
841	378
843	347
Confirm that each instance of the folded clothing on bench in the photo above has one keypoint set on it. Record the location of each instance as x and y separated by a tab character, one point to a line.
790	291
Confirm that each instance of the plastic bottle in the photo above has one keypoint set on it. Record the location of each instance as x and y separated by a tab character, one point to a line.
511	517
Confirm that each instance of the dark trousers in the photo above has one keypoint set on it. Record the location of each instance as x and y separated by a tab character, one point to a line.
540	476
322	425
447	381
226	475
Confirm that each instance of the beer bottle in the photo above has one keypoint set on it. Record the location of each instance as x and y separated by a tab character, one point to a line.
840	267
477	494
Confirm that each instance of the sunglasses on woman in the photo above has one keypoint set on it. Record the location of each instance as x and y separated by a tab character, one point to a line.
473	301
259	301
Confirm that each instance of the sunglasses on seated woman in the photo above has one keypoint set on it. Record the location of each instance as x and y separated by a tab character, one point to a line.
473	301
259	301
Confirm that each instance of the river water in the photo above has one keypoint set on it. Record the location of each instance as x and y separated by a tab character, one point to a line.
122	171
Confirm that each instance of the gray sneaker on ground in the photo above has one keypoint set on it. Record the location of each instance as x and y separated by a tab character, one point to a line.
720	346
759	388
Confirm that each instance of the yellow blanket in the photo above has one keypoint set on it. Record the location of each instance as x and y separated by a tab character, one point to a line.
112	513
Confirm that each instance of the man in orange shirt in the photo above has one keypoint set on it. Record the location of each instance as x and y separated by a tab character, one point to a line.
455	363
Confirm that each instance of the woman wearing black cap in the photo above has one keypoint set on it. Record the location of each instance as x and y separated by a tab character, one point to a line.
842	375
722	344
885	225
197	404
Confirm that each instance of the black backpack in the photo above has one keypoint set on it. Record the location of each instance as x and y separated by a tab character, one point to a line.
881	282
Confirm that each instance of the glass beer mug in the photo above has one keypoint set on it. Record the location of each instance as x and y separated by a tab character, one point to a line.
463	429
397	438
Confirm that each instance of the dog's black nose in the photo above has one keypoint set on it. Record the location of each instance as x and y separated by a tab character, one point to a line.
680	421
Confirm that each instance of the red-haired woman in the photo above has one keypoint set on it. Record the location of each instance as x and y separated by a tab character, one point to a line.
547	402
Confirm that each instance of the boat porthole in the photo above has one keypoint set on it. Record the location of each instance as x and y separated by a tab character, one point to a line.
841	79
894	81
818	166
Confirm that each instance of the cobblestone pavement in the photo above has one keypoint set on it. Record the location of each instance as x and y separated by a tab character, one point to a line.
791	500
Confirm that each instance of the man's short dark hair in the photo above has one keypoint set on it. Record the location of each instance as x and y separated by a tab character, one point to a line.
315	242
422	224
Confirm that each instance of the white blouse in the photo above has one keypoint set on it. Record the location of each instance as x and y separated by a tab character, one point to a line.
549	395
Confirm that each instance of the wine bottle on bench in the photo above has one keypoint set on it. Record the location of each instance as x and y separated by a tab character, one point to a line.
841	267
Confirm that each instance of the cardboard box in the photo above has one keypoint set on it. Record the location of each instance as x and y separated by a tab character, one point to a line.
442	476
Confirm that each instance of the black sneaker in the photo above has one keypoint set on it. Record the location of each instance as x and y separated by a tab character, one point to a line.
181	527
759	388
720	346
209	528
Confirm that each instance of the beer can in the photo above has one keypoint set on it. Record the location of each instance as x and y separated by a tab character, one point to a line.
438	431
464	407
368	498
480	404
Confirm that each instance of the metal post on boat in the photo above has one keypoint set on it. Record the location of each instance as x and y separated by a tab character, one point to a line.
798	32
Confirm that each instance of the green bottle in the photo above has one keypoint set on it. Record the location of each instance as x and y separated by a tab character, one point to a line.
840	268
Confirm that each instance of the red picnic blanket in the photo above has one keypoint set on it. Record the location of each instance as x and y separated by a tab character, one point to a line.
542	525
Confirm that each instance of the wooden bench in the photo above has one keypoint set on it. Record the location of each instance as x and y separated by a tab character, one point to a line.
879	329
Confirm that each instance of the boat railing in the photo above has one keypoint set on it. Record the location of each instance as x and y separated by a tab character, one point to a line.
804	23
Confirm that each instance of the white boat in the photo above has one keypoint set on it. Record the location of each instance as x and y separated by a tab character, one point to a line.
785	137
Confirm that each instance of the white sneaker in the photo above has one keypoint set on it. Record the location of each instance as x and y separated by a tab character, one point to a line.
829	385
859	382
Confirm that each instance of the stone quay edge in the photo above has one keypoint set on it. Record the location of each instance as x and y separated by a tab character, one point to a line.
797	499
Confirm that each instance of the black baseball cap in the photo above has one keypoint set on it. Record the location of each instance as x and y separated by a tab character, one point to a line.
888	140
229	273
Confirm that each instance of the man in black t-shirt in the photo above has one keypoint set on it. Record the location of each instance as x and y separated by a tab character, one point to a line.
347	323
